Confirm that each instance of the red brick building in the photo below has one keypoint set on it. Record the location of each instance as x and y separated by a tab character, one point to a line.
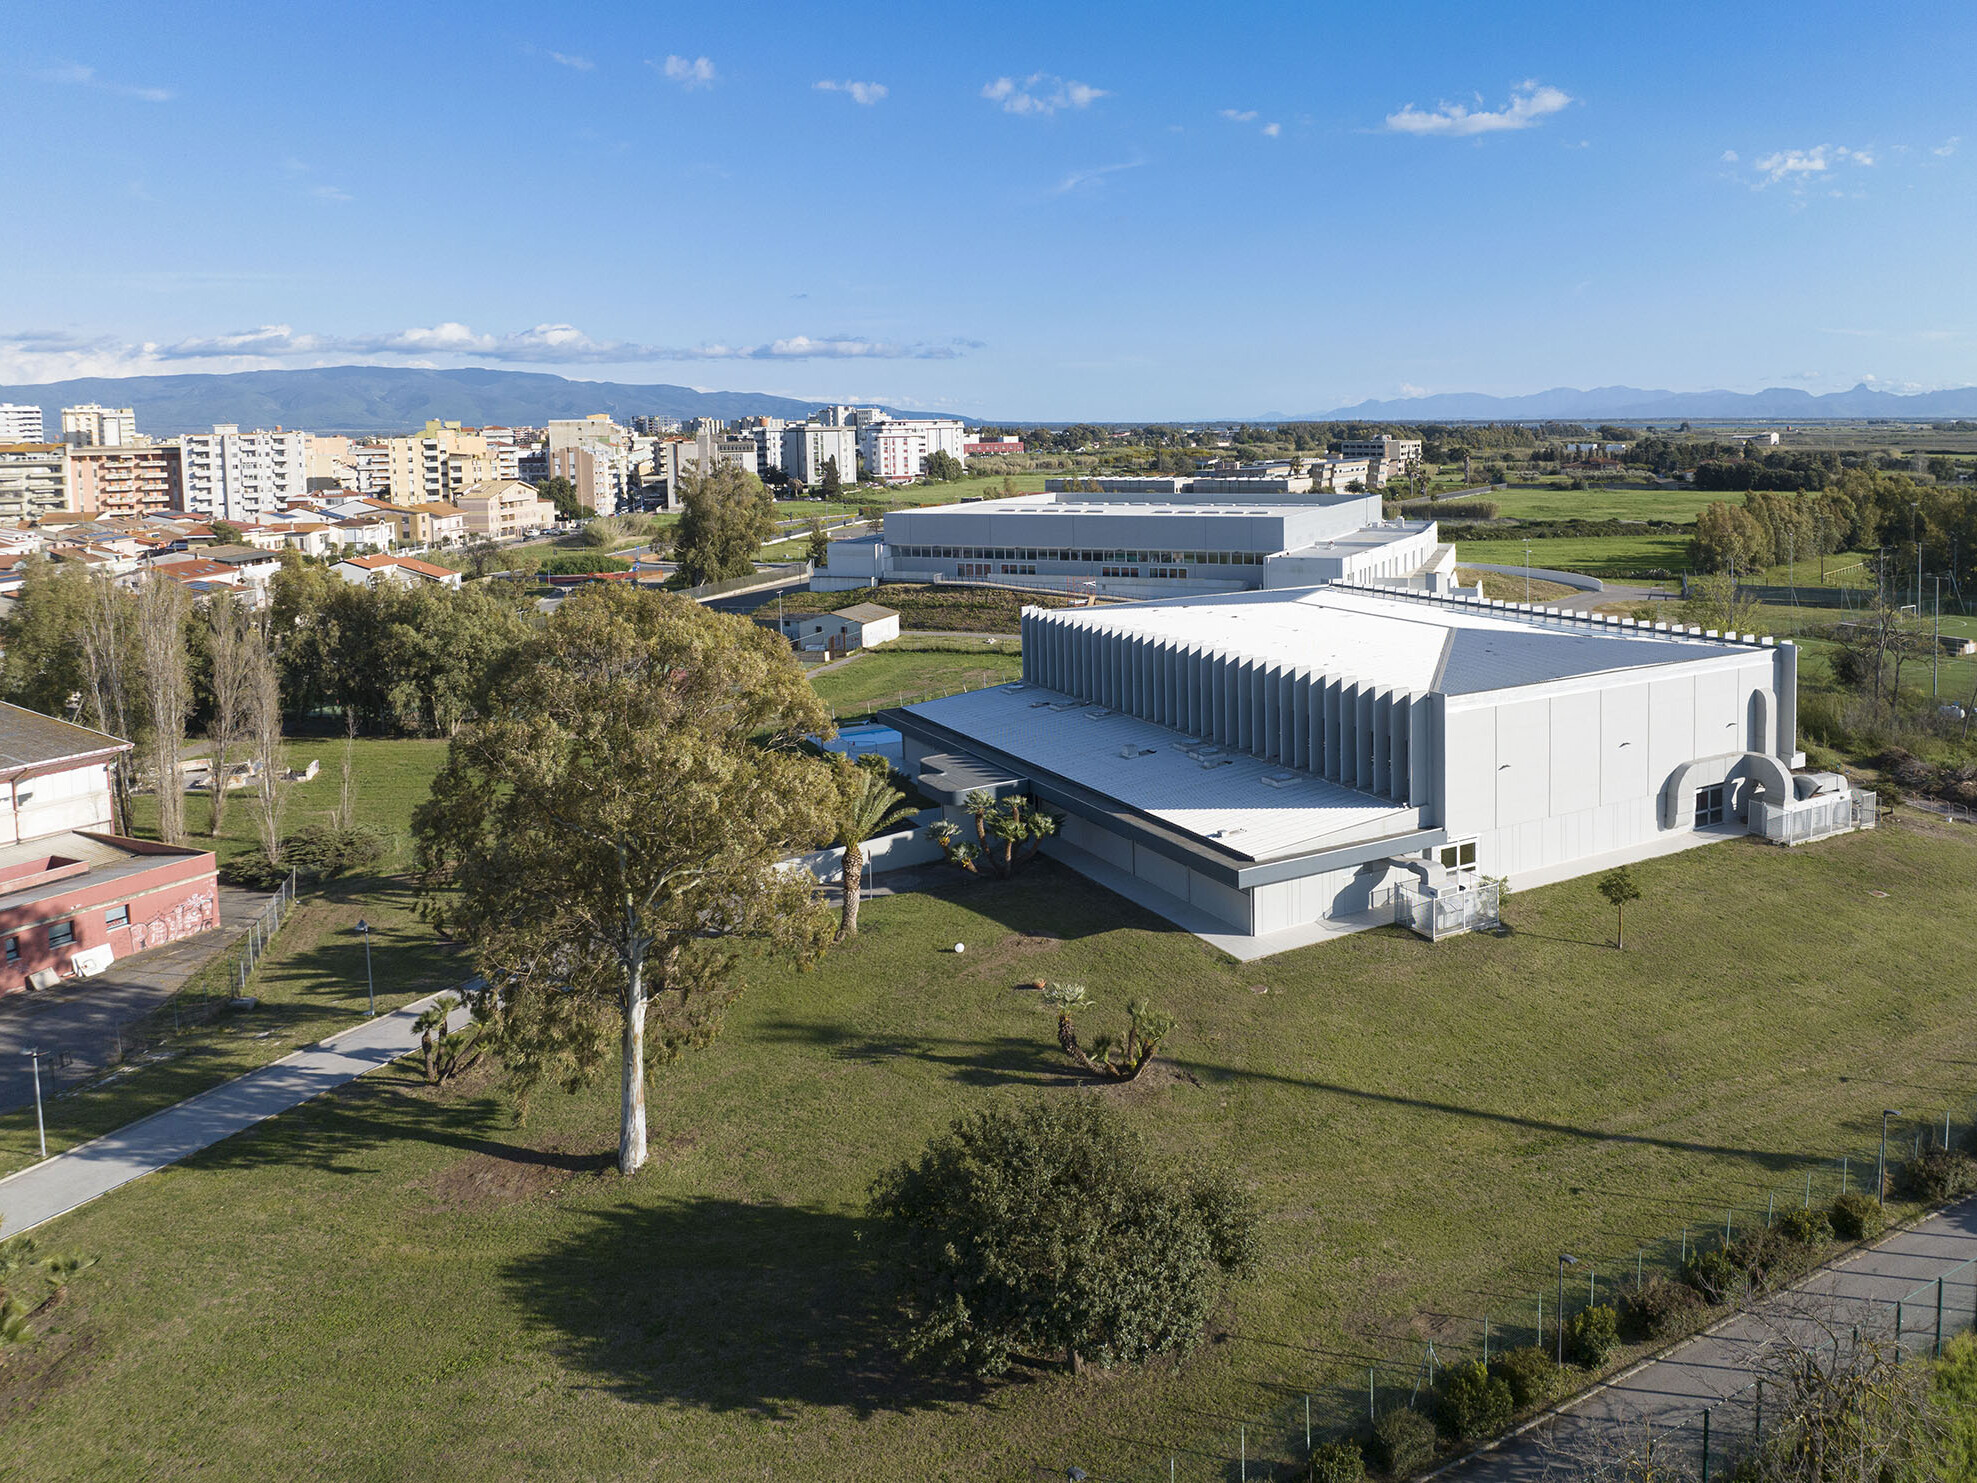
75	896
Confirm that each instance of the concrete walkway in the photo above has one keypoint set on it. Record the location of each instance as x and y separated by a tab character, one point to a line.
1715	1371
59	1184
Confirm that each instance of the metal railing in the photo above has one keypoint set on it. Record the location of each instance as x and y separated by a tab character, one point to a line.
262	929
1472	908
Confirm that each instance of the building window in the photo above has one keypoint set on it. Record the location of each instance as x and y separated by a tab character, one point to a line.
13	950
1709	805
117	916
61	934
1459	857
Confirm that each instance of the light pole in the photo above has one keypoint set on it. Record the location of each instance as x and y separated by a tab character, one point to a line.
1527	571
370	984
1881	1180
1915	532
1564	1261
40	1128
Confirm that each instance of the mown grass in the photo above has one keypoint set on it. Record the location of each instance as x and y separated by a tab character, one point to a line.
1620	557
390	1283
916	670
1548	501
1506	588
951	607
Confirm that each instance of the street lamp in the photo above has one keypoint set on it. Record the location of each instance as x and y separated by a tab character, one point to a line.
1881	1183
1564	1261
40	1127
1527	572
370	984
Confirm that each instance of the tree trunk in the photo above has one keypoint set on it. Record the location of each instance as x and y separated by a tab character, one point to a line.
1620	928
854	889
216	779
631	1101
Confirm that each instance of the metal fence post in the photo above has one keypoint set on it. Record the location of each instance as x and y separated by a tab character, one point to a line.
1369	1395
1898	1331
1757	1426
1307	1426
1705	1445
1808	1189
1938	1350
1486	1345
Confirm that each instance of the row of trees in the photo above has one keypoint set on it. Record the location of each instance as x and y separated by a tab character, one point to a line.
1861	510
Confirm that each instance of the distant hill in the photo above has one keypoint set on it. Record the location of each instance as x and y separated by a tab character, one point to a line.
1631	404
368	399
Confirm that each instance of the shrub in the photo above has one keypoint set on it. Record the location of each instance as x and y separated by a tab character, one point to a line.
1403	1443
1938	1174
1530	1374
1592	1334
323	852
1855	1217
253	872
1806	1227
1661	1308
1717	1275
1337	1462
1473	1402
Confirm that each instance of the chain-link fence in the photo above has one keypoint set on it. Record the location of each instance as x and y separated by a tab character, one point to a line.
1523	1307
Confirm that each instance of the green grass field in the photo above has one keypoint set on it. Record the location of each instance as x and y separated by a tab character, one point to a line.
1553	502
395	1284
917	669
1619	557
950	607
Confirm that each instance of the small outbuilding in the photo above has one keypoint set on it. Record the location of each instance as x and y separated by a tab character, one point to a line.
863	625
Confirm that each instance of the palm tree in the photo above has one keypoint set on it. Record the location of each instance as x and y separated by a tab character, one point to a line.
870	806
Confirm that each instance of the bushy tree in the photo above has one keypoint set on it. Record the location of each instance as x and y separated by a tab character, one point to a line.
562	493
607	836
944	468
726	516
1045	1229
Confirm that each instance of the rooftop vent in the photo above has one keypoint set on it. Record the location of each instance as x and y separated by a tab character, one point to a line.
1098	715
1218	762
1279	779
1132	751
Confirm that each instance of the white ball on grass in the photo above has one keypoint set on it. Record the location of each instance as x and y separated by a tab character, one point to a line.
961	947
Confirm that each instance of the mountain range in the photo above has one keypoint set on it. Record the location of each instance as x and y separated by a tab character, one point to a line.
367	399
1631	404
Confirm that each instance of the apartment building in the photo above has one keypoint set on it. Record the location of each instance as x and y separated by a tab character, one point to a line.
91	426
602	475
808	446
768	435
896	449
19	423
235	476
1388	458
502	509
138	479
436	463
34	479
433	524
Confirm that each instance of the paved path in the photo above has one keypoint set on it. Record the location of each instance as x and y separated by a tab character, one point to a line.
1714	1371
48	1189
80	1018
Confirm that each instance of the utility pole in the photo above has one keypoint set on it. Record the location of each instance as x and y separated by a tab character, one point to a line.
1915	532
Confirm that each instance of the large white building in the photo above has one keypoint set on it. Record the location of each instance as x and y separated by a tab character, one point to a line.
91	426
1271	768
231	475
1149	538
19	424
808	446
896	449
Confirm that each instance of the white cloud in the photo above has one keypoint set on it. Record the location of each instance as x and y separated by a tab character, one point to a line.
30	356
1530	102
74	74
866	93
1858	156
574	63
688	72
1078	179
1729	157
1947	147
1242	116
1798	167
330	193
1041	93
1273	130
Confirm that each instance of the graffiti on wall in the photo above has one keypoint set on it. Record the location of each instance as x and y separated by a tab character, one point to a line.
195	914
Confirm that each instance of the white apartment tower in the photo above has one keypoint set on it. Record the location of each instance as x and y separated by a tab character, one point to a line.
806	447
896	450
19	424
231	475
91	426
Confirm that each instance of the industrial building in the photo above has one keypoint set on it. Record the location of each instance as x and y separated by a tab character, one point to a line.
1271	768
1149	538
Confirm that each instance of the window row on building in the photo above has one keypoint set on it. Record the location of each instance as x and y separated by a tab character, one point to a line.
1004	553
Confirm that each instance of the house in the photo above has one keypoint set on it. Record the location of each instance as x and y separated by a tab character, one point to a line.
502	509
364	532
433	523
409	571
74	895
863	625
1269	768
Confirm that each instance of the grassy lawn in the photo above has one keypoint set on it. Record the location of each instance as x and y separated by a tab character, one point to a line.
310	983
1554	502
391	1284
1618	557
1504	588
917	670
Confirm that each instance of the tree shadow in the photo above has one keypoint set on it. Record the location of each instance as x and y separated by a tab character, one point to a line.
726	1306
1043	897
1006	1060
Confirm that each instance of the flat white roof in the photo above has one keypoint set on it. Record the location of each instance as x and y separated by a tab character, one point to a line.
1253	809
1437	647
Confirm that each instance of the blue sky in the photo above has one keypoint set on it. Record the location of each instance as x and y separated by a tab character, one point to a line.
1021	210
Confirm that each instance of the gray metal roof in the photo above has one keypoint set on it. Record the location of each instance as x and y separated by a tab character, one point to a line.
30	739
866	612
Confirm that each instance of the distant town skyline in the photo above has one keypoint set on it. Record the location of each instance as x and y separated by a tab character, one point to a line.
1020	212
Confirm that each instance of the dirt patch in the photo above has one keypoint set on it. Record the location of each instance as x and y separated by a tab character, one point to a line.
493	1177
39	1370
1151	1082
1015	947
